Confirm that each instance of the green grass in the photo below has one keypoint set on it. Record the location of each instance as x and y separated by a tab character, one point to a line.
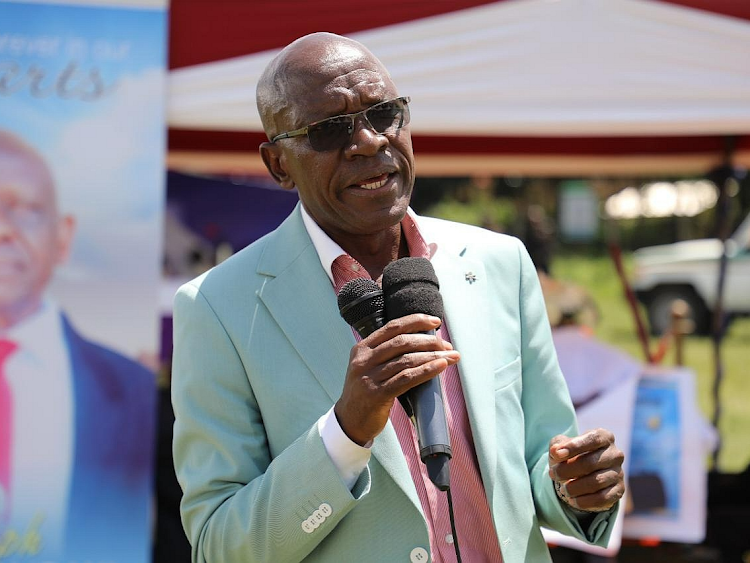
617	327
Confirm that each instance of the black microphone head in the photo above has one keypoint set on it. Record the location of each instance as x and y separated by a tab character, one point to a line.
358	299
411	286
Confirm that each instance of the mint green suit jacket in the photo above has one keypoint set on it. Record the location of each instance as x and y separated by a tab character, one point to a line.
260	353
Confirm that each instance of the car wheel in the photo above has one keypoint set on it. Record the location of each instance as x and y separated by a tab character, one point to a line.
660	310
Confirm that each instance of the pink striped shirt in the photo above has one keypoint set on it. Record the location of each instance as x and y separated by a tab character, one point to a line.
476	533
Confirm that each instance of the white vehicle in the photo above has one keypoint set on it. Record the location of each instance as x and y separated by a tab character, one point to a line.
689	270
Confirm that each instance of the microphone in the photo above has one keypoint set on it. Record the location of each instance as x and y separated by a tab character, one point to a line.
362	306
411	286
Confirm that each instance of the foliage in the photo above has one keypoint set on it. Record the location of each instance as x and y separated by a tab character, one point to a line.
495	213
617	327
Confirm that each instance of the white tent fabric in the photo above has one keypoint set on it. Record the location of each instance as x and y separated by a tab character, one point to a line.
529	68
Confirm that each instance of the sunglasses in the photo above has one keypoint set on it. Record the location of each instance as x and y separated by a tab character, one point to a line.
336	132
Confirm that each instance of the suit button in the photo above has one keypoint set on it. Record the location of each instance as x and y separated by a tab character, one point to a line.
419	555
308	527
326	509
318	517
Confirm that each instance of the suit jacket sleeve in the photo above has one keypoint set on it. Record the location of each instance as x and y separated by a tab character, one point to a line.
548	411
239	503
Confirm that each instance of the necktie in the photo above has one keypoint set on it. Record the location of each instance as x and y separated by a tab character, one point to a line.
6	430
344	269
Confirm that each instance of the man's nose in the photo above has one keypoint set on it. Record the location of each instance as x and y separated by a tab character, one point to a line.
365	139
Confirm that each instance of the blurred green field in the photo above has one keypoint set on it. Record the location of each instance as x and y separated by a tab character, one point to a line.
617	327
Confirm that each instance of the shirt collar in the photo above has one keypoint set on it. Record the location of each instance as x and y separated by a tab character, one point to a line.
35	333
328	250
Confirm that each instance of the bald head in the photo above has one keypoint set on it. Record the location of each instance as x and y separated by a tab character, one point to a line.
301	67
18	158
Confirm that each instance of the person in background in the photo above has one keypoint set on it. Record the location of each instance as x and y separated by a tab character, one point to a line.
76	419
539	237
289	441
590	367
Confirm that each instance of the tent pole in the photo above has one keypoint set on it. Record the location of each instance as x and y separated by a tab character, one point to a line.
615	253
722	177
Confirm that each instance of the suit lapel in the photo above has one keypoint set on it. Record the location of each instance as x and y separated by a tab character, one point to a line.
299	296
464	287
95	397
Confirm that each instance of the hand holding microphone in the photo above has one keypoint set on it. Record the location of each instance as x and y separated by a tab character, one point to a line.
397	356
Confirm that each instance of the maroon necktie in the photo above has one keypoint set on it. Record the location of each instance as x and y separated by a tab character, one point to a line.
6	430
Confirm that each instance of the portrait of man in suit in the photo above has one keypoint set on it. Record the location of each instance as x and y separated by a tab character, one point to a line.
76	418
290	443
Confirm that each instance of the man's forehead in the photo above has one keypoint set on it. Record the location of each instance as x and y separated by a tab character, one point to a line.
365	79
359	86
317	76
343	91
337	52
27	174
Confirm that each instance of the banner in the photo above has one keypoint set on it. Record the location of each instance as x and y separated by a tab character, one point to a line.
82	143
668	468
654	416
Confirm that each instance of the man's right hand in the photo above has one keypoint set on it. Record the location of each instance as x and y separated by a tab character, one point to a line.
387	363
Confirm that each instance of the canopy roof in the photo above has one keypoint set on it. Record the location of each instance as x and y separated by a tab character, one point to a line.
558	87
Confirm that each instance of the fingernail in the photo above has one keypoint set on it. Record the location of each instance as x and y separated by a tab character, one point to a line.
562	452
451	355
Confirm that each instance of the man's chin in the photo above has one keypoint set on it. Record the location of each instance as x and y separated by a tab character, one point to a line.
15	306
390	217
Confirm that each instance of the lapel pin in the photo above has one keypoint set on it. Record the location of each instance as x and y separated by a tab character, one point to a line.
470	277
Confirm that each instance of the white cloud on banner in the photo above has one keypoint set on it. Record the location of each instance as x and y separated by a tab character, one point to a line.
105	164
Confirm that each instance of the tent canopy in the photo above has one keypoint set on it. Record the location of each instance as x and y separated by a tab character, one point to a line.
563	87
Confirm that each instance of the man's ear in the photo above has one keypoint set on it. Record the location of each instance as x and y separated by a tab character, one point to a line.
275	161
66	227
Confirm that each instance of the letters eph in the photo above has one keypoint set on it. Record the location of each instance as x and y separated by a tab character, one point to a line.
28	544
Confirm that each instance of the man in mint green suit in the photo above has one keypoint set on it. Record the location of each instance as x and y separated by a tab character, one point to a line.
263	362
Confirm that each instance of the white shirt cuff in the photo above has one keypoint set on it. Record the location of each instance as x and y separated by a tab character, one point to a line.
349	458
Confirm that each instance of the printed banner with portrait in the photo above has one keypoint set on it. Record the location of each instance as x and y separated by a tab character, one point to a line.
668	479
82	145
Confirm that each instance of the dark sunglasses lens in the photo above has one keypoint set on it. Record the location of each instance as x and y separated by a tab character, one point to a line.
330	134
388	116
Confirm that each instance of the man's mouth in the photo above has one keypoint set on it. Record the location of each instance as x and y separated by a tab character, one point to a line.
374	183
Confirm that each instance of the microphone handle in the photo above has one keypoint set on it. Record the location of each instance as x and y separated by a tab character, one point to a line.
428	412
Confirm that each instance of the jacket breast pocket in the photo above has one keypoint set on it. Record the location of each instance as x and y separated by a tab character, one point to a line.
507	374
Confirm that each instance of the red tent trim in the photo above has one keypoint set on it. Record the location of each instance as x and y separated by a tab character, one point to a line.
203	31
242	142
